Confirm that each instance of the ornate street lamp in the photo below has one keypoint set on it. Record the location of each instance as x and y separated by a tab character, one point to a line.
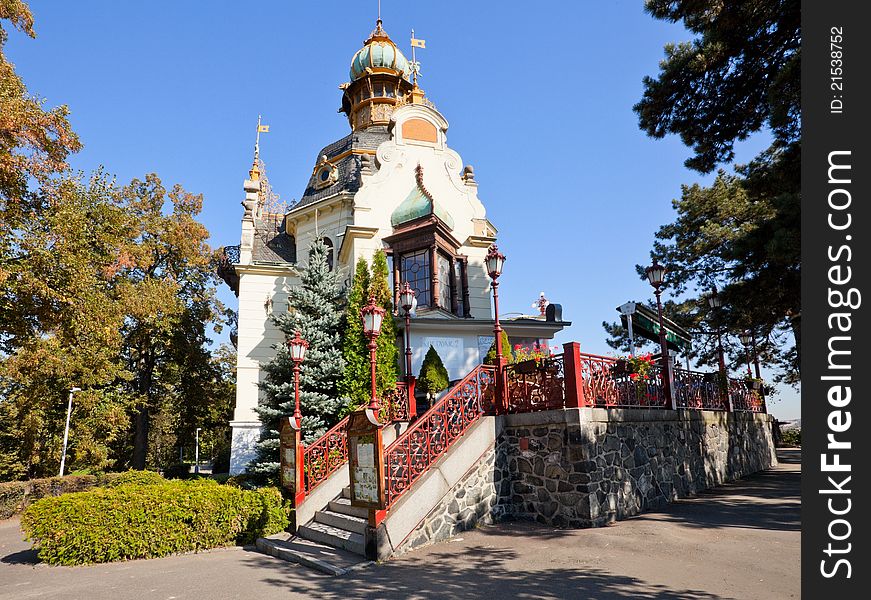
494	261
297	347
373	316
407	299
655	275
716	302
746	340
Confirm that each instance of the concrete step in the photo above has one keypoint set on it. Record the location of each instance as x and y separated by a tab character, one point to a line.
343	505
326	559
333	536
346	491
342	521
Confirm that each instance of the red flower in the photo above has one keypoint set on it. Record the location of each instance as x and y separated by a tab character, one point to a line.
517	346
633	375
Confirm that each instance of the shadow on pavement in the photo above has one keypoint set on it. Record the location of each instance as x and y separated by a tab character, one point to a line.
22	557
475	572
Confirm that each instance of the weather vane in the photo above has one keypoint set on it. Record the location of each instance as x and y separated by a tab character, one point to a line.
415	66
260	129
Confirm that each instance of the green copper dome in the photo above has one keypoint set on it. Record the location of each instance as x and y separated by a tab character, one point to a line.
379	52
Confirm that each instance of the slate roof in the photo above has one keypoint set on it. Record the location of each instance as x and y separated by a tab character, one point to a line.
348	179
271	243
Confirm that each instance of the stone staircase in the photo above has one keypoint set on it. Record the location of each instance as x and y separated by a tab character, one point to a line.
339	525
333	542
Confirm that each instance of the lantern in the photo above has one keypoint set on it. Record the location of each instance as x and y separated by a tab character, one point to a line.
494	262
655	274
297	346
372	315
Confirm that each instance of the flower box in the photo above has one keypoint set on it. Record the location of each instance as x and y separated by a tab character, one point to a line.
525	367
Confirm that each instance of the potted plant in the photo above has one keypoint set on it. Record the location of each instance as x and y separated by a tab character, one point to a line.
528	359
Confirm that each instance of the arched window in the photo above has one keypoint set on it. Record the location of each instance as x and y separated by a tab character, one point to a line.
330	252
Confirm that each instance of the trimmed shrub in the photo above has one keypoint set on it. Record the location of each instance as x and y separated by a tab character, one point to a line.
146	521
433	374
15	496
490	357
136	478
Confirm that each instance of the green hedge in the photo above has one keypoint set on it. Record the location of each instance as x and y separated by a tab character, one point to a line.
145	521
15	496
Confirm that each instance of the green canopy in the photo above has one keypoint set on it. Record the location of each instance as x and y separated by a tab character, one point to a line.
645	323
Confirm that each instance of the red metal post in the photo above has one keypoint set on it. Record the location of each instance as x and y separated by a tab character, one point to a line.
666	376
412	401
574	375
373	402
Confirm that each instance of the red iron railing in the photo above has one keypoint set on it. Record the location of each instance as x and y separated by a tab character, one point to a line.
394	406
534	385
605	386
745	398
329	452
324	456
701	391
435	431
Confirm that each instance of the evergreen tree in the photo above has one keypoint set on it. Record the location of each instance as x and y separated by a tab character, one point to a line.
315	310
433	374
387	353
354	384
490	357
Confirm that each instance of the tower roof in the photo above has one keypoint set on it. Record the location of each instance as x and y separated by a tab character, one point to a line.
379	54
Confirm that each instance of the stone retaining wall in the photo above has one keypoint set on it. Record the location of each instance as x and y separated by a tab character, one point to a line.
587	467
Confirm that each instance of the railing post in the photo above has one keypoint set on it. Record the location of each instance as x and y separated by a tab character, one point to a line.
412	401
501	386
574	379
291	459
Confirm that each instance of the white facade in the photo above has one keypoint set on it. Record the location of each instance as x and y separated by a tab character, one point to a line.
358	187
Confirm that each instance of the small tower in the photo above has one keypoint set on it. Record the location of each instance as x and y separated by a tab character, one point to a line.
380	75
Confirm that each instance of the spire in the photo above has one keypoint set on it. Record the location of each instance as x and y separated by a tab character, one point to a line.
254	173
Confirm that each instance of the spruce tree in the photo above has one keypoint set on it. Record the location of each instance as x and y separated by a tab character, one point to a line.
433	374
354	385
387	353
315	310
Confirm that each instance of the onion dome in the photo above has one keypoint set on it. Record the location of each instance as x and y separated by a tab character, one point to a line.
380	55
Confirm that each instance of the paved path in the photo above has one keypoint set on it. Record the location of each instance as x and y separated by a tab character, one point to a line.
740	541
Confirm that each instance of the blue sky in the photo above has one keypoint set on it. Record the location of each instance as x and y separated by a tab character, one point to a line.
539	99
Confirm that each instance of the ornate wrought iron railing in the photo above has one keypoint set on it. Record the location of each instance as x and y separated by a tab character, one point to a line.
605	385
701	391
435	431
744	397
325	456
394	406
535	385
330	451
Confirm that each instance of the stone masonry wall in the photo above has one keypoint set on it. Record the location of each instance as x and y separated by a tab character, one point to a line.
593	466
476	499
588	467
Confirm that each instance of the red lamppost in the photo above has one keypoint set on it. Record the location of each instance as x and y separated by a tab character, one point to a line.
372	316
406	302
494	261
297	346
715	302
655	275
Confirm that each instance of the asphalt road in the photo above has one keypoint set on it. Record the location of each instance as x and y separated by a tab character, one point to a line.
739	541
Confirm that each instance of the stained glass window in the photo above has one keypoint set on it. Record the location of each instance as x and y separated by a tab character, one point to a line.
415	269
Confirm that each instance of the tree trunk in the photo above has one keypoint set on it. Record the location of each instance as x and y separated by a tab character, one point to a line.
140	439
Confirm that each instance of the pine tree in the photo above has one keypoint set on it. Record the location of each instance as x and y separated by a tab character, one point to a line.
354	384
315	310
387	354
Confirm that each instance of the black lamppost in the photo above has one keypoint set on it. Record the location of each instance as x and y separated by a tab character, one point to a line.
755	356
655	275
372	316
298	347
715	302
494	261
746	340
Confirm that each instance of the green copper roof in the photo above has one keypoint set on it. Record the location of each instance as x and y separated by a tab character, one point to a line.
416	205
